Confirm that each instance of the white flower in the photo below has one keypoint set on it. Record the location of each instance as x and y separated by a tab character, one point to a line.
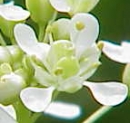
70	6
87	52
118	53
8	114
12	12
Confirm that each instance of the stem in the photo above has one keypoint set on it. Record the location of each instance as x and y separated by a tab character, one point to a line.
99	113
48	29
23	114
13	41
41	32
2	42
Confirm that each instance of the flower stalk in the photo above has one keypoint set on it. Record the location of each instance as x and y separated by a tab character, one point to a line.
97	114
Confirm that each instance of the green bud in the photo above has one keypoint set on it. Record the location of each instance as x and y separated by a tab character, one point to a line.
10	87
67	67
5	56
41	10
16	54
79	6
9	16
60	29
59	49
126	77
5	68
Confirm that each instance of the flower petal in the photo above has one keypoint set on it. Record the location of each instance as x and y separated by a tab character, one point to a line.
5	117
116	52
10	110
90	61
70	85
67	111
27	41
13	12
43	77
36	99
60	5
84	37
109	93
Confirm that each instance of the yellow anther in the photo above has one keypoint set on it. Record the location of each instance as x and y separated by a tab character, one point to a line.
79	25
100	45
58	71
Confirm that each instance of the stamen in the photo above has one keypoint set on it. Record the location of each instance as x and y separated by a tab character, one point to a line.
79	25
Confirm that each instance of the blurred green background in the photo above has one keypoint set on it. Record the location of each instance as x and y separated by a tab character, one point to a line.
114	19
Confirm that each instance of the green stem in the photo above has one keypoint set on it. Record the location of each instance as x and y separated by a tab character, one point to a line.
99	113
2	42
48	29
23	114
13	41
41	32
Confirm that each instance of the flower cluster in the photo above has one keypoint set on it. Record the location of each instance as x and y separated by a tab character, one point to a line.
59	54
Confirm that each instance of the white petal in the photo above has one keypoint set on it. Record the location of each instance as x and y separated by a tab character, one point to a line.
60	5
13	13
36	99
63	110
88	35
5	117
27	41
43	77
10	110
116	52
90	63
109	93
70	85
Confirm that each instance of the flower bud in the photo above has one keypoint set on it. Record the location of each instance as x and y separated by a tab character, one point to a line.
10	87
5	68
16	55
41	10
61	25
74	6
83	6
5	56
9	16
16	52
